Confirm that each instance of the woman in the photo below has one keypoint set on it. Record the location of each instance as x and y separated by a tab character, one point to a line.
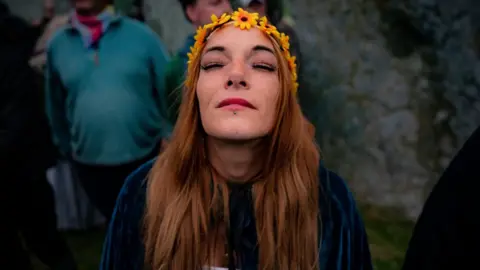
239	184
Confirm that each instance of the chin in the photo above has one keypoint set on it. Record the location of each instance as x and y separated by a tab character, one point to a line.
236	131
229	136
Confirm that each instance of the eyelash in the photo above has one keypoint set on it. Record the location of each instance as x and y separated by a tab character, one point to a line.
211	65
266	67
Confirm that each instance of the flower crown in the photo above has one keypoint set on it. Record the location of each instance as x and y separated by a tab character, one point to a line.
243	20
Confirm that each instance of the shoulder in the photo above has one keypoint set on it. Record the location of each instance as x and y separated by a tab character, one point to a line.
334	192
123	247
131	199
338	208
58	22
344	243
58	37
140	30
132	24
135	184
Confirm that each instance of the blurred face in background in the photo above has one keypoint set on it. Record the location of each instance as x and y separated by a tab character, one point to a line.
258	6
200	12
90	7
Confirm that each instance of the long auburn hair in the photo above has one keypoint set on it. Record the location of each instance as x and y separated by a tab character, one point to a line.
178	216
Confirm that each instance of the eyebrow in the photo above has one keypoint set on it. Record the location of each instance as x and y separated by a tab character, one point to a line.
215	48
257	48
260	48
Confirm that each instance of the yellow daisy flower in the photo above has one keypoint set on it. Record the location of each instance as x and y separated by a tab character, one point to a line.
294	76
217	21
244	19
201	35
285	41
291	63
295	88
266	27
192	54
291	60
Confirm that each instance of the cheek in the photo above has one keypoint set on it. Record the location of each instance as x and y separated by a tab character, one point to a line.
271	100
270	95
206	88
269	109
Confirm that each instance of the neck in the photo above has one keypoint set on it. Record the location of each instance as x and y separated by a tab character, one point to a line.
234	161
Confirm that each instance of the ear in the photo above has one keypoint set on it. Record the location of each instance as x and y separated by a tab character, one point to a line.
191	12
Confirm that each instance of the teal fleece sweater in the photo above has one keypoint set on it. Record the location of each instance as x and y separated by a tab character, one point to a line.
107	104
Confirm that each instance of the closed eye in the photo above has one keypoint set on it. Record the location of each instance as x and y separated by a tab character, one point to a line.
211	66
265	67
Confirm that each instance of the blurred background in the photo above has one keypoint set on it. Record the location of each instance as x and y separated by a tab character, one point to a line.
392	86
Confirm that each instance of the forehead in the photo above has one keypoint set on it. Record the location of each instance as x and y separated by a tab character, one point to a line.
231	36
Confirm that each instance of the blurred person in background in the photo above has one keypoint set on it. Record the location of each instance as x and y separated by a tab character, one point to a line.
132	8
276	10
137	11
198	13
47	14
447	233
26	198
74	209
54	23
105	97
28	33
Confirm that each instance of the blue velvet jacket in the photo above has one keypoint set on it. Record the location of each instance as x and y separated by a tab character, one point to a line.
343	241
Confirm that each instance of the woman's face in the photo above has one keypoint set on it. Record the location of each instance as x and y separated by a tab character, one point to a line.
238	85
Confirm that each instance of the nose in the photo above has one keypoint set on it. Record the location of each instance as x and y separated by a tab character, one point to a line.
236	78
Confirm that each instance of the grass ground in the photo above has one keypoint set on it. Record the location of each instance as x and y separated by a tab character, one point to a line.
388	236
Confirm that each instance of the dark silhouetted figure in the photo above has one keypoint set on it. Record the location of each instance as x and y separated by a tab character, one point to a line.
447	234
27	204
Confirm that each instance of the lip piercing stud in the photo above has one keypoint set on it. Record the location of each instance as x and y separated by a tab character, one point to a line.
234	113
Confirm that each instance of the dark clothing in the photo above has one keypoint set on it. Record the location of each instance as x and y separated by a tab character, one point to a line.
28	211
447	232
103	183
24	131
344	242
26	198
14	29
137	11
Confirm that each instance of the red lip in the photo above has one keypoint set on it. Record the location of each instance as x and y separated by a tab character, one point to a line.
235	101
